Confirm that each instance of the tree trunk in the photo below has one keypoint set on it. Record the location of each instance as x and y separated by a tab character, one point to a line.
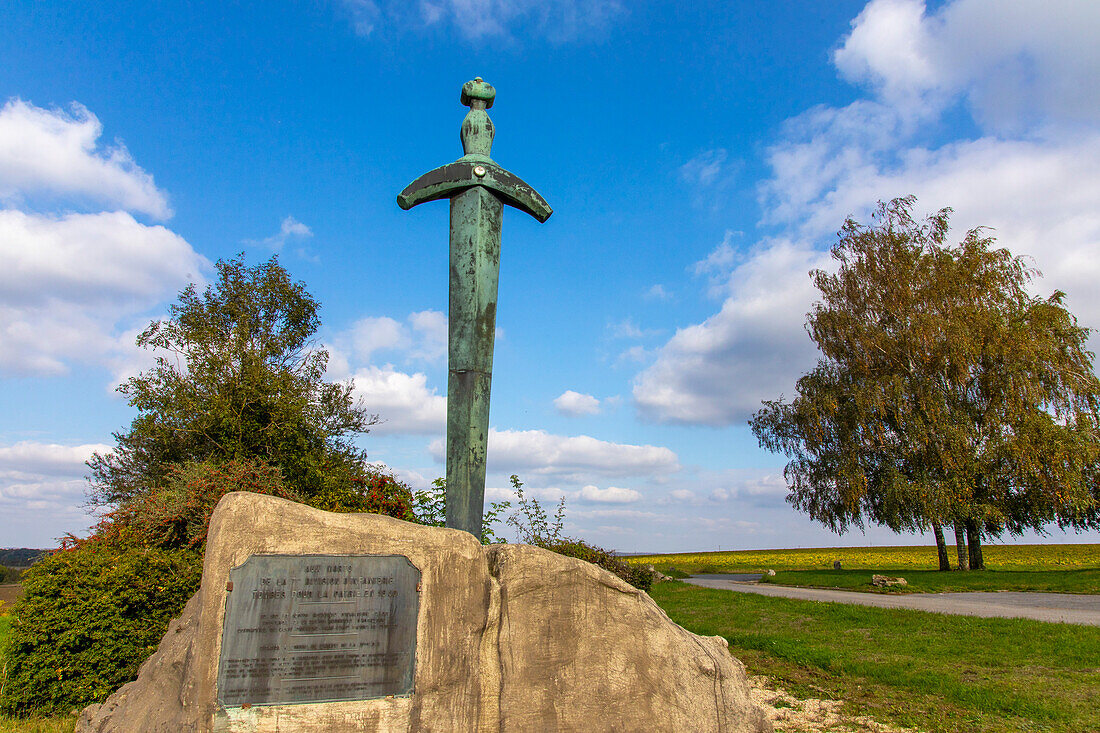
974	544
941	547
960	545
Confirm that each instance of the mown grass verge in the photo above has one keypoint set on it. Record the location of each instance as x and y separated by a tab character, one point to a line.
932	581
922	670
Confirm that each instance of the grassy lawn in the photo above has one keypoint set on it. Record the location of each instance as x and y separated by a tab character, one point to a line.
932	581
922	670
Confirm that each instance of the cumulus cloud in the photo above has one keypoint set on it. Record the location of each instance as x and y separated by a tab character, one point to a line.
575	404
422	336
1035	63
556	20
429	330
70	282
1031	81
291	228
403	401
610	495
575	459
718	371
74	284
54	153
42	490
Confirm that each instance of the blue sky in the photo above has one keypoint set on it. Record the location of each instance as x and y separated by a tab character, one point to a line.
699	160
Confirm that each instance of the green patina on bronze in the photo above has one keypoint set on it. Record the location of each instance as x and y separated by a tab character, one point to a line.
478	189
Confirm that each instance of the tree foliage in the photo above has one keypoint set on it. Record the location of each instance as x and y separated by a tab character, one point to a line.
237	376
945	393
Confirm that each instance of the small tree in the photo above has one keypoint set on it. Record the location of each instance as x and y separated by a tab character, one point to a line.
946	393
238	378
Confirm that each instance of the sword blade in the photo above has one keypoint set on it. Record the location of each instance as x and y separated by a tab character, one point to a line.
476	216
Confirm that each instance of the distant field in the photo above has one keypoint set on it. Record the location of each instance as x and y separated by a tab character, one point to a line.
997	557
9	594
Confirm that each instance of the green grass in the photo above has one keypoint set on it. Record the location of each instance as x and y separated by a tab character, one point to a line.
997	557
60	724
932	581
922	670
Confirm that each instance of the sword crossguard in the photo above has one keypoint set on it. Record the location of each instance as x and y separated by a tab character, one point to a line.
475	168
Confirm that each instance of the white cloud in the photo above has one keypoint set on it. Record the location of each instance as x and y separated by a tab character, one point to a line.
658	292
718	371
1033	175
403	401
70	282
57	154
430	335
1016	64
42	491
575	404
290	228
29	459
422	337
575	459
372	334
706	168
682	494
475	20
628	329
610	495
890	47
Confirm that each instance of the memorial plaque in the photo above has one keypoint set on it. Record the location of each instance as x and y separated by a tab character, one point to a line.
318	628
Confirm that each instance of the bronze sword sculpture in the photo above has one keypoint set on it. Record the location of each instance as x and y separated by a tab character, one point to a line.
478	189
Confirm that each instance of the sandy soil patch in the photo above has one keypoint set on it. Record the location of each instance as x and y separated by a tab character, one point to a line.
788	713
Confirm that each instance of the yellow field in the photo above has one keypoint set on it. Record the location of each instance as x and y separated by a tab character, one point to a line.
997	557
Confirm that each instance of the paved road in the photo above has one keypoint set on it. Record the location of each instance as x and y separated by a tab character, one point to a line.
1054	607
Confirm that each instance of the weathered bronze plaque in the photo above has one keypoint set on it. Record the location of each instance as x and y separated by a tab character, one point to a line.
318	628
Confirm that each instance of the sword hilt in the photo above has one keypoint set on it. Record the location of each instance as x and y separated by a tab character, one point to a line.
477	129
475	168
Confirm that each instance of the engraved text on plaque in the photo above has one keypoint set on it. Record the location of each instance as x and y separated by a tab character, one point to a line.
318	628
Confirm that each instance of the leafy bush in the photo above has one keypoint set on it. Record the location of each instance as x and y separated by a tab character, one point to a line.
176	512
95	610
637	576
89	617
376	492
430	509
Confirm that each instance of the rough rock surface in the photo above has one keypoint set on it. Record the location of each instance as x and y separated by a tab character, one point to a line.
885	581
509	638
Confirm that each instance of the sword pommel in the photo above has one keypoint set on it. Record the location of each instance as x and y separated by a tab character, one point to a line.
478	91
475	168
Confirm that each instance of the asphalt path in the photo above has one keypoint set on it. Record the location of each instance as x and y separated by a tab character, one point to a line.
1053	607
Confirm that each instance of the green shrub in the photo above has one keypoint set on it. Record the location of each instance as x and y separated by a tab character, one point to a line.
95	610
430	508
176	512
375	492
637	576
89	617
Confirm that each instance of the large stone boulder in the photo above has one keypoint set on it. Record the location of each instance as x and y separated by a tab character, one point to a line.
508	638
